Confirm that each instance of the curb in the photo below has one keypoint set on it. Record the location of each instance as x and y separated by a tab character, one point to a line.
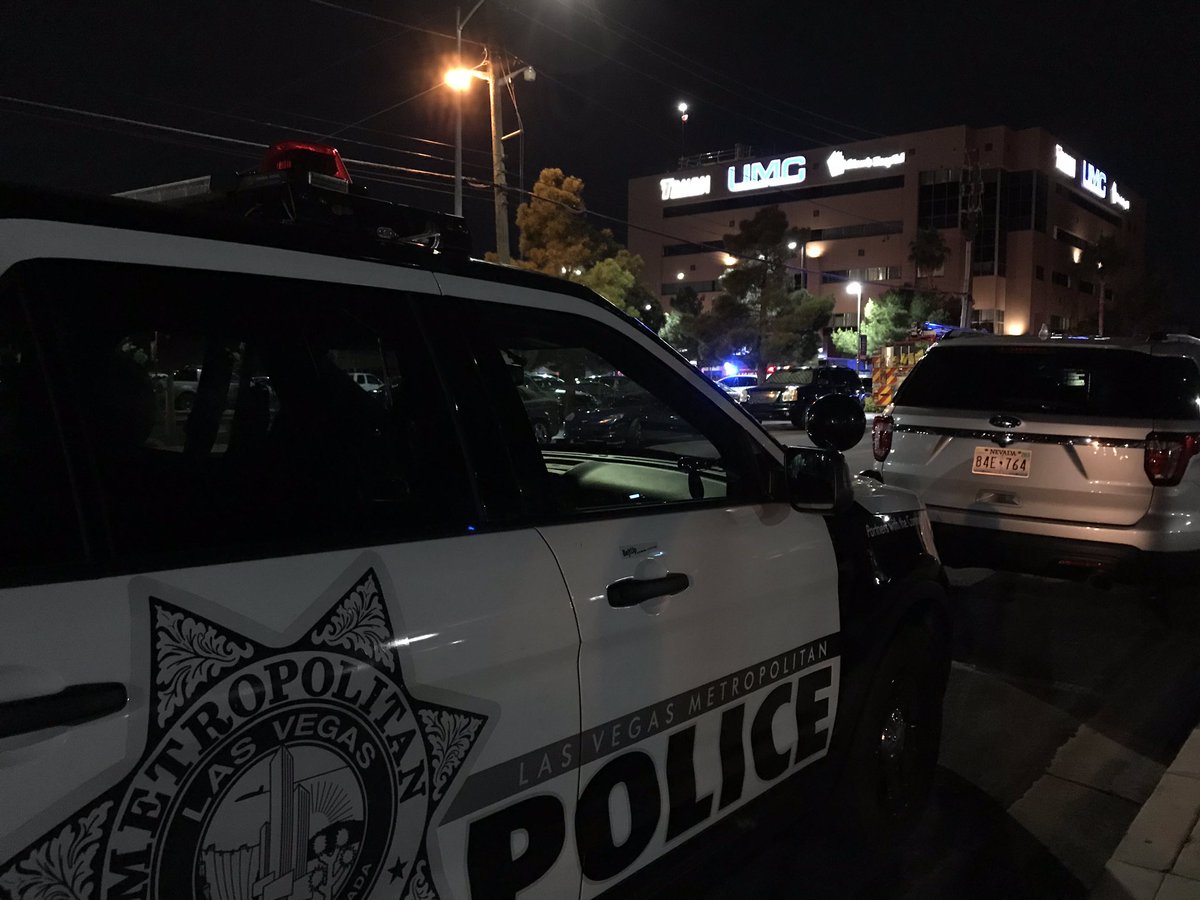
1159	857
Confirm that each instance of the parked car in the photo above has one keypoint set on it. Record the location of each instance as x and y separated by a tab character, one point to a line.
544	411
368	381
185	382
631	419
735	385
1065	457
396	649
790	391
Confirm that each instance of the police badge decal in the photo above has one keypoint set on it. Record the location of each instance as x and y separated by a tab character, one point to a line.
302	771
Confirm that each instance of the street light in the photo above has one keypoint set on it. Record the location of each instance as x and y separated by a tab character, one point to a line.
856	289
461	83
460	79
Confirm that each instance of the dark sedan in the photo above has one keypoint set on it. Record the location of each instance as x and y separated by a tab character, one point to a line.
789	391
632	420
544	411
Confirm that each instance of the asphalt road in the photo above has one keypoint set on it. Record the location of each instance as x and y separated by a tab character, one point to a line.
1065	705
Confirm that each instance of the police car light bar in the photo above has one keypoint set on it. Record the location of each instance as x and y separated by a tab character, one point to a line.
312	157
309	184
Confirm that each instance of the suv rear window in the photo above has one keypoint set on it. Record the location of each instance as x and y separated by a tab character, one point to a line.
791	376
1065	380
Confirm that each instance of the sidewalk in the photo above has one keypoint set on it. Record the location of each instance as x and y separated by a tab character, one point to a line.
1159	857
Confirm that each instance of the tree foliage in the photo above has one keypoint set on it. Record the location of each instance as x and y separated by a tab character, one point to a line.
929	251
556	238
757	315
889	319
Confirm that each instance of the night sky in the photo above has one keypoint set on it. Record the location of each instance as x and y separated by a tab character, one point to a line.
1116	82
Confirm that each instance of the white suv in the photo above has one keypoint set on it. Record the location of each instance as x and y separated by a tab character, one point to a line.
1059	456
386	644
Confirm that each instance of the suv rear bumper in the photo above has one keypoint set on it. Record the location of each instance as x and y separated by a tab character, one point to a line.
1064	549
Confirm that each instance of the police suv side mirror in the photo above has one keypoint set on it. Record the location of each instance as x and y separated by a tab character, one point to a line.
836	422
817	480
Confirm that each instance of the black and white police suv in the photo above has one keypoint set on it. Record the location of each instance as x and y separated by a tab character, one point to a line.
325	642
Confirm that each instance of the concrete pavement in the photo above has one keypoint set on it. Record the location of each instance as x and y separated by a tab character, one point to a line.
1159	857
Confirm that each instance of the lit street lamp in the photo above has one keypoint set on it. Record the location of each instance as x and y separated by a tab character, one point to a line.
462	80
855	288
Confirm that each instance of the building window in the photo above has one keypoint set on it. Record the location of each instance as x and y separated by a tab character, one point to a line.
862	252
700	287
1086	287
1061	279
1039	272
988	320
936	273
987	146
1023	202
1059	324
938	200
1108	294
1094	208
816	214
869	229
869	273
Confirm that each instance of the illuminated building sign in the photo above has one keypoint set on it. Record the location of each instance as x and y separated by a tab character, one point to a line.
839	163
1064	161
680	188
1093	180
1090	178
776	173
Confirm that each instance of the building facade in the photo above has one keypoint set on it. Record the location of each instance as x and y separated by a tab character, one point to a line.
1039	203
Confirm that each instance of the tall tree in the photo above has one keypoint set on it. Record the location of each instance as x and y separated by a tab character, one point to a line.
557	239
1102	264
759	281
889	319
929	251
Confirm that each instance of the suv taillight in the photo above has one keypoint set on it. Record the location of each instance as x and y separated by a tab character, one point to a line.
1167	456
881	437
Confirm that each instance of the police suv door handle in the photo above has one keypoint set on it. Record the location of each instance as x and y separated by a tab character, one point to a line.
72	705
632	591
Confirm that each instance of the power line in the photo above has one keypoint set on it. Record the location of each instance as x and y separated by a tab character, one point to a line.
136	122
387	109
290	128
408	25
407	171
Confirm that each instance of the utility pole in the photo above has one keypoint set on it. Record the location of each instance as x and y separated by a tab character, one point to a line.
499	183
459	23
970	208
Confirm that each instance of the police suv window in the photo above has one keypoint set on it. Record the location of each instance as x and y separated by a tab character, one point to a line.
224	418
611	425
39	523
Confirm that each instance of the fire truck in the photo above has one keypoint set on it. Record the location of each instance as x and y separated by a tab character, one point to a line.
891	363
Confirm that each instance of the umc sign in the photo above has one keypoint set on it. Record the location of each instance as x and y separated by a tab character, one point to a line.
774	173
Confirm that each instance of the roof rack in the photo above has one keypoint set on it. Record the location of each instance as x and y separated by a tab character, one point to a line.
307	184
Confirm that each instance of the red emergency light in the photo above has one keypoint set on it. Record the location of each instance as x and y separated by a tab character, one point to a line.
299	155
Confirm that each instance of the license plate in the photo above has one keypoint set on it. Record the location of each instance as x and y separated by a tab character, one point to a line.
1001	461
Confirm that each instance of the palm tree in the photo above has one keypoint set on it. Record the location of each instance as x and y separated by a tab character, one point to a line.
1103	261
929	251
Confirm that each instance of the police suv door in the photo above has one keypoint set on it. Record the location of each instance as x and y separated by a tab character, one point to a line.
262	646
707	609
